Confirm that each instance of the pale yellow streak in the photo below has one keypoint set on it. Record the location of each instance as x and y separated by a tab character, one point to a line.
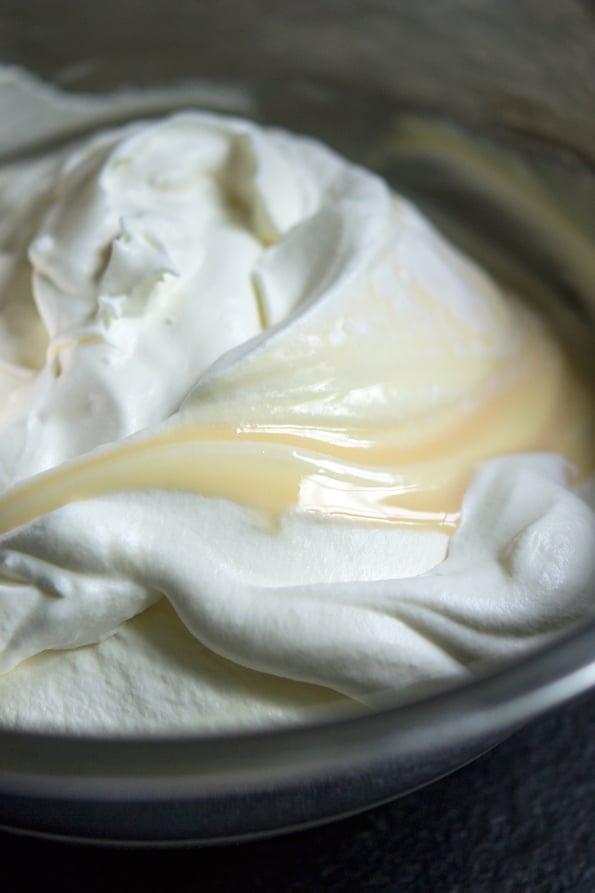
412	474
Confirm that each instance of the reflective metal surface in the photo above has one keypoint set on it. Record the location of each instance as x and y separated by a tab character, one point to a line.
515	64
227	787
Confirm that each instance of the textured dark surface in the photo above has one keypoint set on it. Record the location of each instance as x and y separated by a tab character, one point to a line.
519	819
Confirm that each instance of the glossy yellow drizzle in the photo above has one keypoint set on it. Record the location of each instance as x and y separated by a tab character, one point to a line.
413	473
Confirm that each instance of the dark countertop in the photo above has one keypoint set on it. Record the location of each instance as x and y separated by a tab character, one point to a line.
519	820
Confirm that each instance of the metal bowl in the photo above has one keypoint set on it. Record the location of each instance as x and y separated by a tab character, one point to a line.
492	67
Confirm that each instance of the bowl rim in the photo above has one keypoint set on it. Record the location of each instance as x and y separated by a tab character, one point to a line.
188	765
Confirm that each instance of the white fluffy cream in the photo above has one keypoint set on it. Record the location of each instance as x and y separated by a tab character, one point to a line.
192	268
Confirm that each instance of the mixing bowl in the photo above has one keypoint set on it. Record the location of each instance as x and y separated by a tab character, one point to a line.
340	69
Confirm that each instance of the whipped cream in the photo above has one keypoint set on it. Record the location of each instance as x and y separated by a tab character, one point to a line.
268	442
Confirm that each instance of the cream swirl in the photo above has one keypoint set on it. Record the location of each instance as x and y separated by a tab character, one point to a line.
216	339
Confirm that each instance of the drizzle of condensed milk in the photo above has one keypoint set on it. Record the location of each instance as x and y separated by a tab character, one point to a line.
413	473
